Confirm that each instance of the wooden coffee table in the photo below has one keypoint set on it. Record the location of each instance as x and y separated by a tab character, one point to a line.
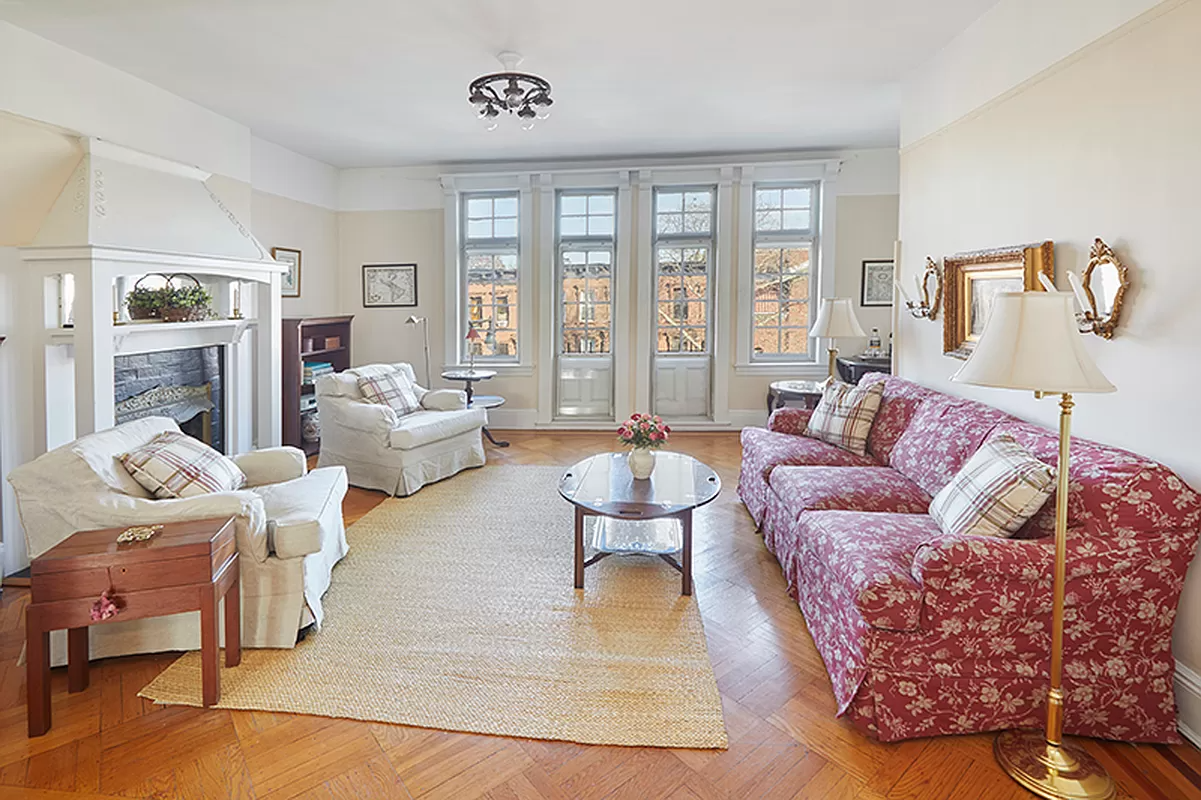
187	566
660	507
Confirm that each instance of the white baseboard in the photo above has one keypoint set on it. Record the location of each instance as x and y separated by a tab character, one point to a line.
517	419
1188	703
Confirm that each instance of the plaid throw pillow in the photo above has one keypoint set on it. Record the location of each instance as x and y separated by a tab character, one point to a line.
386	386
174	464
995	492
844	416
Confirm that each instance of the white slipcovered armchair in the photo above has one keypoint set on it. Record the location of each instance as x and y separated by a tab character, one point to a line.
391	453
289	532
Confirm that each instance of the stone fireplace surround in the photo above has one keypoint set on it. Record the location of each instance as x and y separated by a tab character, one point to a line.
195	366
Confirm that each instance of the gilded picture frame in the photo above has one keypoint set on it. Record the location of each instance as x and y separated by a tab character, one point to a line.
972	279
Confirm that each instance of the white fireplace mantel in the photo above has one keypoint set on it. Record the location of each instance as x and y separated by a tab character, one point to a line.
122	214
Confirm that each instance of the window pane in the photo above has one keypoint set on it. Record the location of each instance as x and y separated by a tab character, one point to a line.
573	204
669	260
795	314
696	260
600	226
505	228
695	286
671	223
506	206
795	341
767	341
767	315
479	228
601	314
672	313
767	287
796	198
796	259
571	314
693	340
669	201
767	259
767	198
573	226
696	222
796	220
796	288
768	220
479	207
669	340
601	204
698	201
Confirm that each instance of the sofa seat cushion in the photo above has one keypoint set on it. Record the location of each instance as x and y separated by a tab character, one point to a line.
425	427
943	434
876	489
295	509
871	556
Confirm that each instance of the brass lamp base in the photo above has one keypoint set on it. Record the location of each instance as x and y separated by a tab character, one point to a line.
1060	772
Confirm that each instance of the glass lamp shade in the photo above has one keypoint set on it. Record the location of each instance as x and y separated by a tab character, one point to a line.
473	335
1031	342
836	319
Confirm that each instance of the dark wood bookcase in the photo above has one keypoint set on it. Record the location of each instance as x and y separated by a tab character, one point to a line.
308	339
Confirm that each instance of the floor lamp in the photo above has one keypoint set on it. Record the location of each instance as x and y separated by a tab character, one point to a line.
835	320
1031	342
425	335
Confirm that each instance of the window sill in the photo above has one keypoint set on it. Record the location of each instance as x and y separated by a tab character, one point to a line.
502	370
784	369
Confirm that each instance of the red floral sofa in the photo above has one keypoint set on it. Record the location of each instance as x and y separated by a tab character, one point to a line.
926	634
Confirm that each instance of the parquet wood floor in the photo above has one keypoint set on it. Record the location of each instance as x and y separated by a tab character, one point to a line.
784	739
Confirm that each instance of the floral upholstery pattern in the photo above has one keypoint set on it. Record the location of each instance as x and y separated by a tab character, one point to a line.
808	488
926	634
897	407
763	450
789	420
942	435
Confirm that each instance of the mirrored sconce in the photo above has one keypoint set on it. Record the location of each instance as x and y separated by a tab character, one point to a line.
929	288
1102	292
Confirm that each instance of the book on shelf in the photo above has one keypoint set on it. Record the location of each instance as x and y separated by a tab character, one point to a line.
313	369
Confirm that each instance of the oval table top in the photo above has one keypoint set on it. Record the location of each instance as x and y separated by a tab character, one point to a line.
468	374
603	485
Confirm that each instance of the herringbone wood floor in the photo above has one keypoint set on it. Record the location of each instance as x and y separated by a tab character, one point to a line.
784	739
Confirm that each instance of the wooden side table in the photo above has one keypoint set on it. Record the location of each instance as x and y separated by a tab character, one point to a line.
187	566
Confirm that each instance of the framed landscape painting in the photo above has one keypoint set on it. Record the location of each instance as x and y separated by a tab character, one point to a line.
290	283
389	285
876	288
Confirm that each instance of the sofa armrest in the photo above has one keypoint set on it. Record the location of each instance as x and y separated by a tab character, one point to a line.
984	577
444	400
272	465
789	420
115	510
364	417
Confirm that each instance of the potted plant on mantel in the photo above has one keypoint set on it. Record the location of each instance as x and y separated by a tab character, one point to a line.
185	303
144	303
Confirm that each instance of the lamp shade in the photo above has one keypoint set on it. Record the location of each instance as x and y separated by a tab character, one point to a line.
1031	342
472	334
836	319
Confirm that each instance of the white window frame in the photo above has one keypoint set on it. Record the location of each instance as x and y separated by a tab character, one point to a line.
685	240
584	243
784	238
454	189
822	259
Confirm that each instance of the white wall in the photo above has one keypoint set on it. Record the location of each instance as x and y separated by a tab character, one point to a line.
1101	144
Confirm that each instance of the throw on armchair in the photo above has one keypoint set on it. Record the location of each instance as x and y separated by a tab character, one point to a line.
289	532
391	452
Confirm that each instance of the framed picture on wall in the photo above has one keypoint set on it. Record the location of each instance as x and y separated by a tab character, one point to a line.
290	285
389	285
876	289
973	280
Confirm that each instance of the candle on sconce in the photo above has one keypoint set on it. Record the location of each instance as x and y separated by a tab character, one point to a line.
237	300
1078	290
116	303
904	294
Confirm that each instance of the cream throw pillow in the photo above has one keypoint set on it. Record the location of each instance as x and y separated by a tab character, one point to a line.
844	416
996	491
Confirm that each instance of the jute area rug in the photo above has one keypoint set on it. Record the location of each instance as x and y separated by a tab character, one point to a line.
455	610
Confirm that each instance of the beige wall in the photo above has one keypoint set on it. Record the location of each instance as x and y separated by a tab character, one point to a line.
1105	144
280	222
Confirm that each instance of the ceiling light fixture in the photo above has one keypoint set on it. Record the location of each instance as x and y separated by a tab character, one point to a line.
518	94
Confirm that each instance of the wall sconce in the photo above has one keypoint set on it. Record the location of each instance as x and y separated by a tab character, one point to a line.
1103	291
927	308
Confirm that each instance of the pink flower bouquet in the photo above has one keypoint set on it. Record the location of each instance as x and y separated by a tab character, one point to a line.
643	431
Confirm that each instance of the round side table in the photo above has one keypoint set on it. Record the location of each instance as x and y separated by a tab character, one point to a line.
488	401
808	393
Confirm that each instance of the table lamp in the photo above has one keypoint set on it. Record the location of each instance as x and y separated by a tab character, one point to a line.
1031	342
425	333
472	337
835	320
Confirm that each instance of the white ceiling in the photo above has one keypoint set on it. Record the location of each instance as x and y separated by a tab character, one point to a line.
384	82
